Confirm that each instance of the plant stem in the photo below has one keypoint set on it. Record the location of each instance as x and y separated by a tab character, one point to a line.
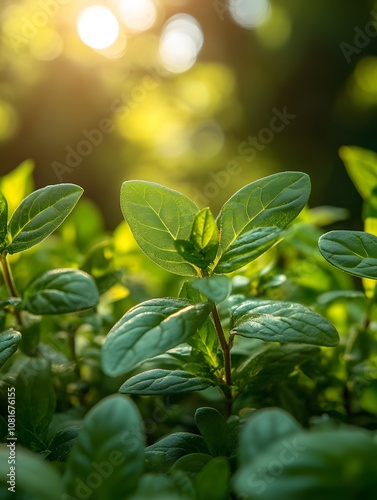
225	346
9	282
8	278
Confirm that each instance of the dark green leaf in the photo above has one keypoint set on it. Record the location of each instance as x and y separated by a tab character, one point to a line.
272	363
110	446
273	201
325	464
177	445
200	258
156	487
35	403
34	478
149	329
212	480
61	291
9	341
263	429
215	431
154	382
216	288
279	321
193	463
39	214
247	247
354	252
62	443
3	218
157	217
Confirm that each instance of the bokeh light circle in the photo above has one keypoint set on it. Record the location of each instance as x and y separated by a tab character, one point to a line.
249	13
98	27
138	15
181	41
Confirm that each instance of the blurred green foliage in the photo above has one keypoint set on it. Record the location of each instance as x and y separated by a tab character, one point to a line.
189	130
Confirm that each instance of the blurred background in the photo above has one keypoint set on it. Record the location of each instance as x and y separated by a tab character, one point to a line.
200	95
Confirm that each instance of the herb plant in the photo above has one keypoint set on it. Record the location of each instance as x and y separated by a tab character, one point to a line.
228	386
187	241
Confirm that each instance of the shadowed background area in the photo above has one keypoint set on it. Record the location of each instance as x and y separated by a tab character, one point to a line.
202	96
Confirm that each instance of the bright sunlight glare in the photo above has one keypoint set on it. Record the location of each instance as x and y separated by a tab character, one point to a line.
138	15
98	27
249	13
180	43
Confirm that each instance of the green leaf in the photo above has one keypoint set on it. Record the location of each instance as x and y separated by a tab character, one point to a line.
17	184
30	469
156	487
62	443
273	201
155	382
215	431
205	339
193	463
325	464
271	363
110	447
200	258
40	214
157	217
61	291
213	480
35	403
149	329
280	321
10	301
3	218
216	288
354	252
361	165
9	341
177	445
247	247
204	230
263	429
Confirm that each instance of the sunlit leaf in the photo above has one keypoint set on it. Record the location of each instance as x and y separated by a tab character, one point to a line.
3	218
40	214
17	184
205	339
273	201
361	165
149	329
157	217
